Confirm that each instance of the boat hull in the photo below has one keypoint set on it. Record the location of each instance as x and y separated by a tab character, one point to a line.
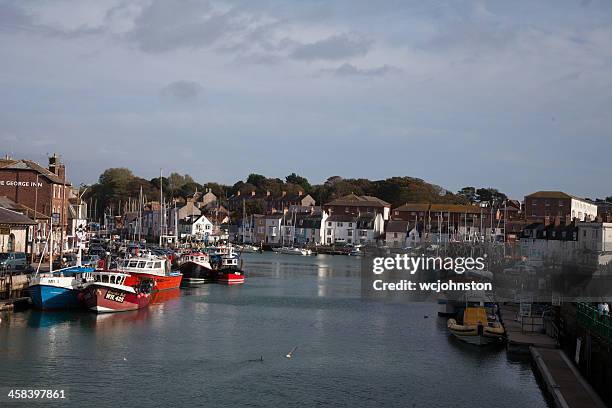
196	273
47	297
162	282
229	277
102	299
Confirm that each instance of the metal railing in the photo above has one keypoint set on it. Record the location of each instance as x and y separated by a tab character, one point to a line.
589	317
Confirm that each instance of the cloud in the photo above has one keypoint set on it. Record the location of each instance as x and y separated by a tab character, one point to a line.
335	47
182	91
350	70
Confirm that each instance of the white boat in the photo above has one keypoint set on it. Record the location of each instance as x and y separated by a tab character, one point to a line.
293	251
248	249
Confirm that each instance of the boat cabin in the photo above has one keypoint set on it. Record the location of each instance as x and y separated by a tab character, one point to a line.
109	277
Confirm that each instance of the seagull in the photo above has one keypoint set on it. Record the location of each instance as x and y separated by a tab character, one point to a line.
290	354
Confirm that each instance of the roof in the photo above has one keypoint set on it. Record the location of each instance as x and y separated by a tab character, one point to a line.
352	200
453	208
10	217
413	207
397	226
551	194
456	208
30	165
342	218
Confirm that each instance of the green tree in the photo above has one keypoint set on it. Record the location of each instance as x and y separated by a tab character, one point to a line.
298	180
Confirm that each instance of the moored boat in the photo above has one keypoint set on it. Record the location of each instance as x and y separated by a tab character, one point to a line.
226	269
196	268
109	293
292	251
478	327
153	268
59	289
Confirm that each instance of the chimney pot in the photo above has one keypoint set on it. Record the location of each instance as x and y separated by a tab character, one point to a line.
284	193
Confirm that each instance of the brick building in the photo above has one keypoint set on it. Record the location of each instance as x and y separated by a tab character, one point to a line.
550	205
44	193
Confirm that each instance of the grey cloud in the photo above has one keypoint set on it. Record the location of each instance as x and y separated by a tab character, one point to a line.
182	91
350	70
333	48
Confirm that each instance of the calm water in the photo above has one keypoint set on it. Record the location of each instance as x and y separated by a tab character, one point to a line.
202	346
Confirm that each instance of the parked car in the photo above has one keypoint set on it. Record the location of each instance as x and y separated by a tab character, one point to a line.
13	261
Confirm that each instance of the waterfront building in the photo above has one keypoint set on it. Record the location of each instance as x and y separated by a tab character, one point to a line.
340	229
543	205
273	228
45	193
354	205
396	233
16	229
445	222
309	228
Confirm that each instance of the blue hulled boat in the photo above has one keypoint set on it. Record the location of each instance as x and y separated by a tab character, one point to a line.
60	289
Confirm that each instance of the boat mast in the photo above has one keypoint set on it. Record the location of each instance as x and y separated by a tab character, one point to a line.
161	206
243	219
140	216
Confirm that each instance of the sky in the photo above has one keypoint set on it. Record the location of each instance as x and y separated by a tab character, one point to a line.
511	95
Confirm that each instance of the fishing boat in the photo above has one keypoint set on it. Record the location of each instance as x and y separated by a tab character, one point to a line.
478	327
59	289
151	267
226	269
196	268
108	293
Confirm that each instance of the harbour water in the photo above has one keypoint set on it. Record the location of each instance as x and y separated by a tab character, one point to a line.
219	346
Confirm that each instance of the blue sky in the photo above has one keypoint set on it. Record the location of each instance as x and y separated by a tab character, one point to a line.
514	95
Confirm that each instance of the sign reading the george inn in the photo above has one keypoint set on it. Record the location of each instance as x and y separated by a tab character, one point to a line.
13	183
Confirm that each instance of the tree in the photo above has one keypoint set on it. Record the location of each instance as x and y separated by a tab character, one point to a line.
298	180
256	179
469	193
609	199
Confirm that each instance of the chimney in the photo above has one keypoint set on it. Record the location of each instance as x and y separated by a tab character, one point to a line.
61	171
253	193
284	193
268	193
300	193
54	164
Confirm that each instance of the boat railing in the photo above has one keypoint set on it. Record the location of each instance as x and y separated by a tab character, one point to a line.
594	320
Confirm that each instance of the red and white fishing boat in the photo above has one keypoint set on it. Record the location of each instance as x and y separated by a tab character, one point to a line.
109	293
228	272
150	267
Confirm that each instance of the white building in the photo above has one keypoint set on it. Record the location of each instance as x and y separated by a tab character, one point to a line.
349	229
595	236
273	228
199	228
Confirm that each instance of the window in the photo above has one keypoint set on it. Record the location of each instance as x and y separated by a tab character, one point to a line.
142	264
133	264
350	233
157	265
329	224
149	265
329	232
395	235
396	212
350	224
339	224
